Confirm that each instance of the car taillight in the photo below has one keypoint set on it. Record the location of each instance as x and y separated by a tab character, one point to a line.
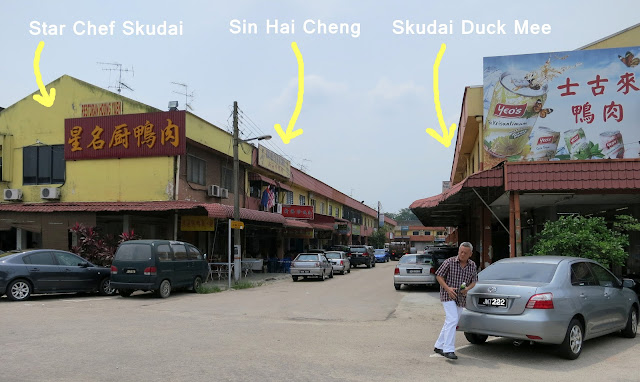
540	301
318	265
114	270
341	262
150	271
396	271
349	254
293	264
432	271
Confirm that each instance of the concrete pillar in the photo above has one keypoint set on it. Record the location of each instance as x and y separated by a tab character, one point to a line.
21	239
126	223
512	226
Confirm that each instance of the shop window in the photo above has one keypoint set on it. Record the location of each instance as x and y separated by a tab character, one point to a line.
303	200
322	208
331	210
416	233
427	233
43	164
289	197
196	170
337	212
312	202
226	178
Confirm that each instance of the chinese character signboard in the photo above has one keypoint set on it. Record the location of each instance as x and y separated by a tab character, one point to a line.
197	223
274	162
125	136
101	109
297	212
556	106
301	233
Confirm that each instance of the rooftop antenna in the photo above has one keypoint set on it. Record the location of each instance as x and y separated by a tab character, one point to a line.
303	166
187	96
116	67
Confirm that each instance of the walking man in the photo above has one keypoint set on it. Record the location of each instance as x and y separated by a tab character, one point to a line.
456	276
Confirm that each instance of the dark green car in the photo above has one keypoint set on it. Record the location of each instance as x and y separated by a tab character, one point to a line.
157	265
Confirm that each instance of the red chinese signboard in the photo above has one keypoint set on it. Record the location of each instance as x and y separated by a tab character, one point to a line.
125	136
297	212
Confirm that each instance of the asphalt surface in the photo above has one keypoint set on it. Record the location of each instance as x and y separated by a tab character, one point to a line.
355	327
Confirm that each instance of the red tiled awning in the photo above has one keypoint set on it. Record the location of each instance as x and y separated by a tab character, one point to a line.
601	174
322	226
214	210
296	223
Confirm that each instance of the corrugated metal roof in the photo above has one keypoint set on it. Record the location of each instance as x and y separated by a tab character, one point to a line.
602	174
214	210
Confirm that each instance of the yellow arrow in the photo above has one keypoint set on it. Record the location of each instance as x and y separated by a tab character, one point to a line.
290	133
44	98
447	135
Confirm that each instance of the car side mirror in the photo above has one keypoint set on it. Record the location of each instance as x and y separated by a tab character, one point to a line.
628	283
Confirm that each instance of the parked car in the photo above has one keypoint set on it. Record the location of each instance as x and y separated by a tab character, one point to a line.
157	265
361	254
556	300
315	250
338	247
440	254
311	265
382	256
414	270
23	273
340	261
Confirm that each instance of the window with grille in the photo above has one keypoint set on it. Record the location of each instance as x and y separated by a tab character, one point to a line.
196	170
43	164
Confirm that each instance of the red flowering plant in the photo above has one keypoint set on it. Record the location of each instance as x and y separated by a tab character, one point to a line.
97	247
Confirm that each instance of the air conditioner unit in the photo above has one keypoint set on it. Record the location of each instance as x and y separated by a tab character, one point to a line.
213	190
224	193
12	194
50	193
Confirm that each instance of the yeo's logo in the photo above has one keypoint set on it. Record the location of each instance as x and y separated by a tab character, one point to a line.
509	111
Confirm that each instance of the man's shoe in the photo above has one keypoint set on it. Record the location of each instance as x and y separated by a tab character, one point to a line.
439	351
450	355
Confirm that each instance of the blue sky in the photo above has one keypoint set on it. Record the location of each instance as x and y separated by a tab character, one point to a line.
368	100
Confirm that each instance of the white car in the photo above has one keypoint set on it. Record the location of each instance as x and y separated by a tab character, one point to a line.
414	270
340	261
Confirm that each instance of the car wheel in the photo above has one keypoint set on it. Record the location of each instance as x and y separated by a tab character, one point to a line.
105	288
369	264
295	278
197	284
398	286
165	289
322	277
349	270
573	340
125	292
476	339
373	264
331	274
19	290
632	324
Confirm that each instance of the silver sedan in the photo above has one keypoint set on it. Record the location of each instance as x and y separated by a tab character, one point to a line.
414	270
311	265
340	261
556	300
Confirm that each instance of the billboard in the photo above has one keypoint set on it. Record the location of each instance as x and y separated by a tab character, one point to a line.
577	105
274	162
125	136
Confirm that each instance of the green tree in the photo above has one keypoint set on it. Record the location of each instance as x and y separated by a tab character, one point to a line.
403	215
379	237
588	237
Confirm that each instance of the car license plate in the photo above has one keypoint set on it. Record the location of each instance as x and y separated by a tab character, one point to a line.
499	302
304	271
414	270
130	271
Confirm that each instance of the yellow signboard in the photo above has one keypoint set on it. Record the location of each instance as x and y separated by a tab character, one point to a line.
236	224
274	162
197	223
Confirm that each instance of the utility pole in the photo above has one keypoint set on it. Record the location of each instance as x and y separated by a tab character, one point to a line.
236	196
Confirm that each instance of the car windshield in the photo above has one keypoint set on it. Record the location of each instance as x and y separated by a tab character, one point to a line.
380	251
510	271
307	258
134	252
333	255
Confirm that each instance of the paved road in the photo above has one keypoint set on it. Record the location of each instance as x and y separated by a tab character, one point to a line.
355	327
